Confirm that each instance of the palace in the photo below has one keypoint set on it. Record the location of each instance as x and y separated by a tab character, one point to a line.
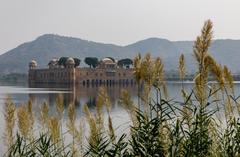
106	73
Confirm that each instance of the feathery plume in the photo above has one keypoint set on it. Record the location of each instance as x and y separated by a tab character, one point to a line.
24	122
44	114
181	67
94	132
215	69
199	89
60	105
9	116
146	97
31	115
71	125
202	43
200	49
54	128
158	72
137	68
99	107
71	118
111	129
229	78
103	99
127	103
146	70
80	136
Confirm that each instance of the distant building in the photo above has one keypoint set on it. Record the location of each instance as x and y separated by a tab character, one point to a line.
106	73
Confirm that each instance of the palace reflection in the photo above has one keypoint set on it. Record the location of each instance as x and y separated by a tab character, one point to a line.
78	94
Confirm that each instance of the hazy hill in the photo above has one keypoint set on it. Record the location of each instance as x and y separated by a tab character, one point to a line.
156	47
51	46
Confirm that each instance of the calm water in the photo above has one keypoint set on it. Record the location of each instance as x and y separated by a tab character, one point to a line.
79	95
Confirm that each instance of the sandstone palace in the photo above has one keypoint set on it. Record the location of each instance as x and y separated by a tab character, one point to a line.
65	70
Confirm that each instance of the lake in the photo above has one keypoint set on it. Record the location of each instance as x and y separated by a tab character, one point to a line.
80	95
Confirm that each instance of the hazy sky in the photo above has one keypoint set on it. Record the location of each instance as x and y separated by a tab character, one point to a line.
115	21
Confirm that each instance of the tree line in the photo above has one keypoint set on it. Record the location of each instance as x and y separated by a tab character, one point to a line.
93	62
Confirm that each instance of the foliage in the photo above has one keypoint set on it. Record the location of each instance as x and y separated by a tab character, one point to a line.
62	61
14	78
42	146
125	62
91	61
77	62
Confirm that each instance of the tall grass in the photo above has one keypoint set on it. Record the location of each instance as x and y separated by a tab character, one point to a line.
205	123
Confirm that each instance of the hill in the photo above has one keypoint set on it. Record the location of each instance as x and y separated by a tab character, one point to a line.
51	46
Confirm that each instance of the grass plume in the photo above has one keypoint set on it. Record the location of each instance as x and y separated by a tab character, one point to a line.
9	116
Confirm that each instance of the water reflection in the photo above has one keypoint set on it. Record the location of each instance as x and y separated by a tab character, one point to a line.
79	94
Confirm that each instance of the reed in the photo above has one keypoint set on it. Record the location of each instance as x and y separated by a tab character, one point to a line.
24	121
60	105
44	115
54	128
181	67
9	116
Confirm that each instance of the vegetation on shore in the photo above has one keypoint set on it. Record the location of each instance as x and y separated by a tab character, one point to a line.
14	78
205	123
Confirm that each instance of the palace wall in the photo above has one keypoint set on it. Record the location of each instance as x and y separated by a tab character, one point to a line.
55	75
85	76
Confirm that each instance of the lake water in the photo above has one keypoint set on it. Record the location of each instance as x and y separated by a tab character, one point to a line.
80	95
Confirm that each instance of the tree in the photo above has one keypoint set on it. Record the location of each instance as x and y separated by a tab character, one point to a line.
62	61
125	62
91	61
95	62
77	62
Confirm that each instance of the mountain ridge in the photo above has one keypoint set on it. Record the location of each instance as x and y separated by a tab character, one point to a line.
48	46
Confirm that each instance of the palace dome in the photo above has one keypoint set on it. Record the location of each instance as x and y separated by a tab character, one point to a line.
33	63
70	61
53	62
107	60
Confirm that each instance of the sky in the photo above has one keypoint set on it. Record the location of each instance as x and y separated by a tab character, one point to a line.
119	22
